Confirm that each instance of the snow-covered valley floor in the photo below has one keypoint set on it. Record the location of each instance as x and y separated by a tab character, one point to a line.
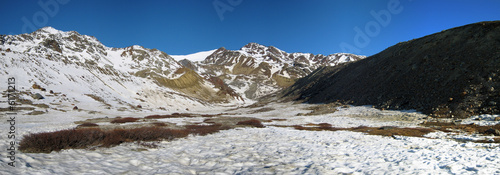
270	150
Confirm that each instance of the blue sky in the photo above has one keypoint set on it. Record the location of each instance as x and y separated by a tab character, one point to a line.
188	26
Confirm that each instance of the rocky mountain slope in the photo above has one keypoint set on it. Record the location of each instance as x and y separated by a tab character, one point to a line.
256	70
453	73
69	69
58	70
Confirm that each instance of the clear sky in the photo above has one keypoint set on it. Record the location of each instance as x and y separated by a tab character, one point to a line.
186	26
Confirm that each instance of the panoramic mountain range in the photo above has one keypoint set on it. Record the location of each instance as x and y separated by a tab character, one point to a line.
256	70
67	70
453	73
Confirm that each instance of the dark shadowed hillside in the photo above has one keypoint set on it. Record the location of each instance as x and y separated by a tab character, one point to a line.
453	73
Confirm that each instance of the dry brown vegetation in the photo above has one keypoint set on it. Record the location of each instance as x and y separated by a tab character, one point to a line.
274	119
87	125
252	122
470	128
47	142
176	115
89	135
125	120
204	129
384	131
159	116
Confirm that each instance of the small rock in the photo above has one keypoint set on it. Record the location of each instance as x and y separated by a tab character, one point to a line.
75	108
37	96
36	86
492	131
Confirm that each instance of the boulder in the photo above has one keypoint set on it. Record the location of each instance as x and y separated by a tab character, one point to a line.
37	96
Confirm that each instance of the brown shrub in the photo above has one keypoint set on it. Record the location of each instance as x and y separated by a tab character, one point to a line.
159	124
113	137
124	120
87	125
392	131
159	116
203	129
252	122
325	126
148	144
275	119
179	115
47	142
470	128
210	115
384	131
208	121
173	115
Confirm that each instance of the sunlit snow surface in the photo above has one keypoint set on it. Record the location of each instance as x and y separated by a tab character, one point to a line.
269	150
199	56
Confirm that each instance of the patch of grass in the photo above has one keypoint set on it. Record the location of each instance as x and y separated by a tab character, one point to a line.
47	142
210	115
392	131
88	135
208	121
175	115
159	124
384	131
159	116
124	120
265	109
87	125
470	128
85	137
252	122
203	129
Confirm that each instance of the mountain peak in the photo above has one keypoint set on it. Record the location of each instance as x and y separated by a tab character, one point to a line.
49	30
253	46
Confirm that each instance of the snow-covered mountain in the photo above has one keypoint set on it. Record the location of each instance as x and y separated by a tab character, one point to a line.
199	56
69	69
256	70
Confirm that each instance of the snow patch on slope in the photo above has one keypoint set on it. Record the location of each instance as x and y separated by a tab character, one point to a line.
199	56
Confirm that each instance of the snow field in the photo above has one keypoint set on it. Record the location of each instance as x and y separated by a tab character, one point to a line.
274	151
270	150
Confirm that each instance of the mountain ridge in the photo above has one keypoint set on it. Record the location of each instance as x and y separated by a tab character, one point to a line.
83	69
256	70
453	73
